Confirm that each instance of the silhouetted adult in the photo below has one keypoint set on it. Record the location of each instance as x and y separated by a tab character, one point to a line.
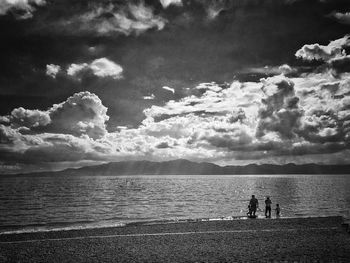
254	204
268	207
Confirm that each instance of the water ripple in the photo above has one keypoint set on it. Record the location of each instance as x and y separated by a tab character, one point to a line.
72	200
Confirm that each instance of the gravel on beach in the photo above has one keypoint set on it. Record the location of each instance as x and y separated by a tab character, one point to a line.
254	240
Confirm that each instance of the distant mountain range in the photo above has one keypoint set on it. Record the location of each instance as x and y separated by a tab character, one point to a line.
182	167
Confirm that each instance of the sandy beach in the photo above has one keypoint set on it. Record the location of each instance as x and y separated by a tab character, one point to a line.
254	240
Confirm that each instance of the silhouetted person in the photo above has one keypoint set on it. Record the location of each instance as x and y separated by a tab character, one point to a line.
268	207
249	211
254	203
278	210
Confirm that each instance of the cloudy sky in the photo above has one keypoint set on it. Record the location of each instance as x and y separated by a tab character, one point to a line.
231	82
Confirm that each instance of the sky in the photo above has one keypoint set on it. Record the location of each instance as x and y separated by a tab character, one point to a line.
84	82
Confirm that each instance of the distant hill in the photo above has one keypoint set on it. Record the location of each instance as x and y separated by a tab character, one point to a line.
182	167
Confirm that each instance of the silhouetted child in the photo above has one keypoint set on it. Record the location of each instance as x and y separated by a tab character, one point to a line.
249	211
278	210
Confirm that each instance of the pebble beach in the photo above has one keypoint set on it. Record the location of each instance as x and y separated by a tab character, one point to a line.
320	239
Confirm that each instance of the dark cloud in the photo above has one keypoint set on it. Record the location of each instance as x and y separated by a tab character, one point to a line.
341	64
343	18
240	141
163	145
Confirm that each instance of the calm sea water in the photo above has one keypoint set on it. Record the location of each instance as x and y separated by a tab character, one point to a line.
107	200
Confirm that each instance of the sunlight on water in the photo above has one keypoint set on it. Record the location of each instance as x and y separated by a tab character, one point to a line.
66	201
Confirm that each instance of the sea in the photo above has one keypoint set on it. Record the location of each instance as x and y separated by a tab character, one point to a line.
30	204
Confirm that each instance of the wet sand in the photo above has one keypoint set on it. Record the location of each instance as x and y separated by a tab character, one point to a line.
252	240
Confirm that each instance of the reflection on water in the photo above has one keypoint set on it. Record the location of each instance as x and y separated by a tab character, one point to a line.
67	200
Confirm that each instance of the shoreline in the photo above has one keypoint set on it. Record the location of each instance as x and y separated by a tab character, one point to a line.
294	239
98	225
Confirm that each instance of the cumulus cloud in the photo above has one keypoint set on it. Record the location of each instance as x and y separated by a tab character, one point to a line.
279	112
101	67
52	70
75	69
23	9
276	116
81	114
334	49
334	54
167	3
29	118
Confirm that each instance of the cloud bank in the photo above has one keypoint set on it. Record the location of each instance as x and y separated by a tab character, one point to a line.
290	119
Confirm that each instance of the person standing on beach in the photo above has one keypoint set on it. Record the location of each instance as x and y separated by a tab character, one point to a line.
254	204
268	207
278	210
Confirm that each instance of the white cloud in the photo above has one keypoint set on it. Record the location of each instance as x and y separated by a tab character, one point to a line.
75	69
334	49
286	69
27	7
169	89
52	70
81	114
167	3
150	97
101	67
29	118
109	19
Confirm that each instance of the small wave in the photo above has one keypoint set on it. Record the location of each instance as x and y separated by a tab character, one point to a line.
75	226
83	225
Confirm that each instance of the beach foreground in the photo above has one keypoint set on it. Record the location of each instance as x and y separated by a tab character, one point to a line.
322	239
